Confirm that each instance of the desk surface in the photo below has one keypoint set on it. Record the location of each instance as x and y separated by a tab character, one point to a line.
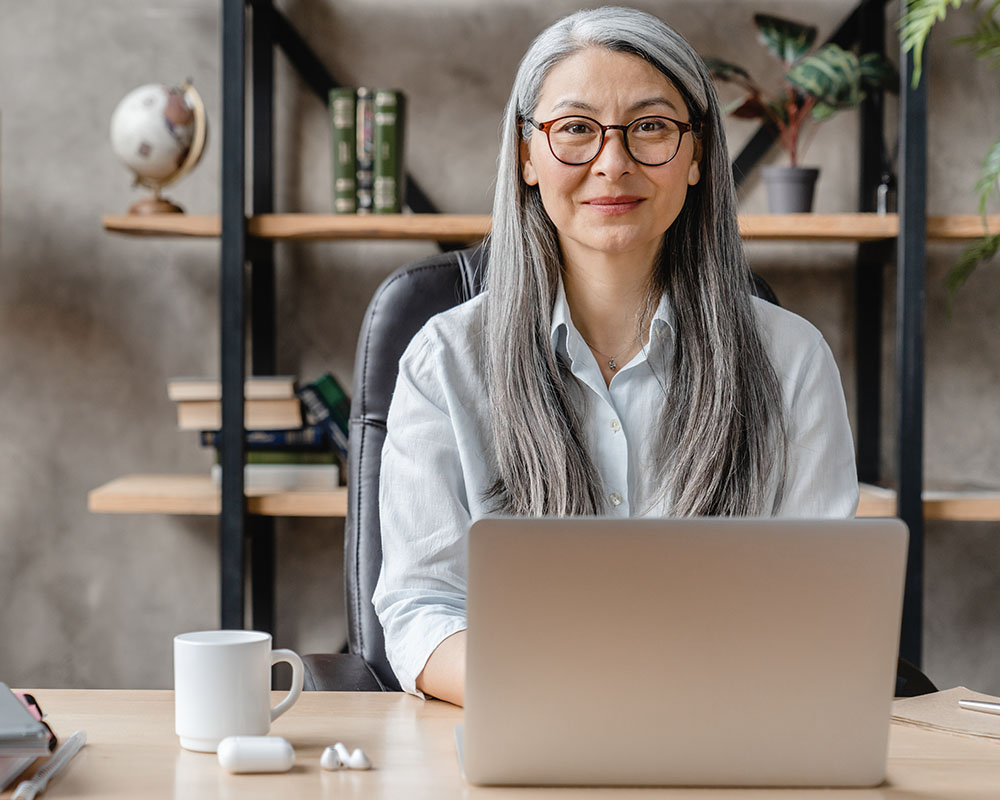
132	752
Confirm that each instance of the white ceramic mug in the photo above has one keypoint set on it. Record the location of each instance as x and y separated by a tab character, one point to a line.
222	686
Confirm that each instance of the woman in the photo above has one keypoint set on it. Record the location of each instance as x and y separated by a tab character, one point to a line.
617	363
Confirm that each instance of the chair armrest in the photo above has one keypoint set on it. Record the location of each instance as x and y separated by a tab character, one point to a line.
339	672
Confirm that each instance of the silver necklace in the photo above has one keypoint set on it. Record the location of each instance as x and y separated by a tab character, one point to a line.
612	360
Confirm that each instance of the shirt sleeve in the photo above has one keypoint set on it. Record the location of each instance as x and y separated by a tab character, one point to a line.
821	478
421	591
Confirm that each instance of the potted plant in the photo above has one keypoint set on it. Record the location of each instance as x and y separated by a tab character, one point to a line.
816	86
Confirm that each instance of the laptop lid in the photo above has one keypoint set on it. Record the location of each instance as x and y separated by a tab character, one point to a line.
727	652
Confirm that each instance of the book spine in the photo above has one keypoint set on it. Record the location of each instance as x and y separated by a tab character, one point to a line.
390	118
317	412
312	438
336	400
343	111
287	457
365	146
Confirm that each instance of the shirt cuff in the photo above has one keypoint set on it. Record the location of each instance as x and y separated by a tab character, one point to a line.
411	667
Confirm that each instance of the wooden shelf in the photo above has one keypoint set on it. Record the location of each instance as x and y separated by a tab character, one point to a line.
968	505
433	227
196	494
472	227
197	225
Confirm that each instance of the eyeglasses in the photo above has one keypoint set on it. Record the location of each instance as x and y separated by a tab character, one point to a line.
650	141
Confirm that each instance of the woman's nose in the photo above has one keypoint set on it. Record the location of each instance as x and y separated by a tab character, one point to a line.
613	157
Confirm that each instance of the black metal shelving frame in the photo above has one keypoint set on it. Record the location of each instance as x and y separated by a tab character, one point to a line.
243	257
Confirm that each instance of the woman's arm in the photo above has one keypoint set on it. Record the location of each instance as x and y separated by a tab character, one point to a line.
821	480
443	675
424	515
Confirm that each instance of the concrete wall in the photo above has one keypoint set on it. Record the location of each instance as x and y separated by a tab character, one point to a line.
93	324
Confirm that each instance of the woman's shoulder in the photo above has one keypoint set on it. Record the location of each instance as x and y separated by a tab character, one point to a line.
787	336
456	333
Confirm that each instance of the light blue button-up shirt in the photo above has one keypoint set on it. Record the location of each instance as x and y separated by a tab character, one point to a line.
435	462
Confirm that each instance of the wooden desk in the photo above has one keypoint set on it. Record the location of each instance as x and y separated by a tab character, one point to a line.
132	752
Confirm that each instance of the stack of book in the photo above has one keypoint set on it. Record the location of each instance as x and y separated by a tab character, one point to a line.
367	127
296	437
24	737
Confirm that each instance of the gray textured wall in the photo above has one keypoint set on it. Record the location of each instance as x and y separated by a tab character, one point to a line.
92	324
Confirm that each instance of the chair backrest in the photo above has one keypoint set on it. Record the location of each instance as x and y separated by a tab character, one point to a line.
399	308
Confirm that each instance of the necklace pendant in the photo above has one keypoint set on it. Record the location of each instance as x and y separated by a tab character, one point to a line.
612	365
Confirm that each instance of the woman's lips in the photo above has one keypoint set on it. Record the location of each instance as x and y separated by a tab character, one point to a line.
612	206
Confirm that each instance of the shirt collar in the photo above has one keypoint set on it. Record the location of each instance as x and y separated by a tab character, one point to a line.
567	341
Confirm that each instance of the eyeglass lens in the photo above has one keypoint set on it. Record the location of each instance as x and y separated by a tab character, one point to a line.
649	140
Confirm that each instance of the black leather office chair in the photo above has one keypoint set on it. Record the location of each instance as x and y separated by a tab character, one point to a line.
399	308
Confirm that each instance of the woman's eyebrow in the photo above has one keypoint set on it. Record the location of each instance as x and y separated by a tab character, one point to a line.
637	106
564	104
652	101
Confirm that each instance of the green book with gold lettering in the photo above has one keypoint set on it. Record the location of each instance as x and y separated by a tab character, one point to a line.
342	126
365	144
390	114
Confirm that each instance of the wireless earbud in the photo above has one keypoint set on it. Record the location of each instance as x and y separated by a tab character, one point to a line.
337	756
358	760
330	760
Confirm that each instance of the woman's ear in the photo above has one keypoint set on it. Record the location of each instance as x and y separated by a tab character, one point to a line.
694	169
694	173
527	168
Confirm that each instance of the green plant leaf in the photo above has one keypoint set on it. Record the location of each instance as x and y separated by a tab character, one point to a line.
778	111
724	70
878	72
989	176
972	256
788	40
984	41
915	26
832	76
731	73
822	111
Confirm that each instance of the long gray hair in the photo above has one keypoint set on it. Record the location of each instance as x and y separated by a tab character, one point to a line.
721	434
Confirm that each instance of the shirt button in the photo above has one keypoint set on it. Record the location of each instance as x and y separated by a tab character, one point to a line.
615	498
615	425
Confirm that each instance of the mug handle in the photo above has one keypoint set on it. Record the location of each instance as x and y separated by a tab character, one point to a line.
298	673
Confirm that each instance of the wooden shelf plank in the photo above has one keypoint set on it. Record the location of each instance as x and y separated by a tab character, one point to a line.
967	505
818	227
196	494
472	227
433	227
961	227
197	225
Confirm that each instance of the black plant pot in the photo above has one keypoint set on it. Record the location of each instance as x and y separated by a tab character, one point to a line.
790	189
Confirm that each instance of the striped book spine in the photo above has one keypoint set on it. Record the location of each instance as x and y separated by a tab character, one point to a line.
342	122
390	106
365	146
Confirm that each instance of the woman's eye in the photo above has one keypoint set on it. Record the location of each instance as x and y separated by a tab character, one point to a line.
578	128
651	125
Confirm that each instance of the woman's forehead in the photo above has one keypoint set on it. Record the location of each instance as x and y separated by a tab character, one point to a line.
597	79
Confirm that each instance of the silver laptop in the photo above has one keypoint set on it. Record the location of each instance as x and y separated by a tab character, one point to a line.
721	652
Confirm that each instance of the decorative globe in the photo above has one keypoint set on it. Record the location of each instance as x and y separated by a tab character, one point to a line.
159	132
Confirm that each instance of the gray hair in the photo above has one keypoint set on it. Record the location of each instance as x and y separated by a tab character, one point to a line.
721	434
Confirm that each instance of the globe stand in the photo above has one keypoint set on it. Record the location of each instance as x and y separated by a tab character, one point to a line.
154	205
